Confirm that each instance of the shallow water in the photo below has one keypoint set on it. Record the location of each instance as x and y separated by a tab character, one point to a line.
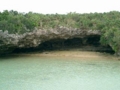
59	73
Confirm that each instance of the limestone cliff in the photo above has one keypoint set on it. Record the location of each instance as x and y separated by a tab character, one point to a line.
8	42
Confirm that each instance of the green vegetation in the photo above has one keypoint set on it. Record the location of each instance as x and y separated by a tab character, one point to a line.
108	23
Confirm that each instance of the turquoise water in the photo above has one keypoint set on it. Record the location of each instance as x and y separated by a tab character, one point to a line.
54	73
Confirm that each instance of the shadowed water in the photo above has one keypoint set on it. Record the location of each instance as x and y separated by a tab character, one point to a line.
58	73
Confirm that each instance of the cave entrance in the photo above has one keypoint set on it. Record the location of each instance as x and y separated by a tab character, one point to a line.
61	44
90	43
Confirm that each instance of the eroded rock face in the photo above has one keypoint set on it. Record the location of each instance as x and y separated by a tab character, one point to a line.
8	42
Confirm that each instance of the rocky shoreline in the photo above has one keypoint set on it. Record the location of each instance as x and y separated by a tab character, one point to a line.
9	42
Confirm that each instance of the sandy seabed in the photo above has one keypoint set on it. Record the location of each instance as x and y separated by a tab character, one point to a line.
72	54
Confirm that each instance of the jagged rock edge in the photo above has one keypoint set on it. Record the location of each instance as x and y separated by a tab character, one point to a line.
8	42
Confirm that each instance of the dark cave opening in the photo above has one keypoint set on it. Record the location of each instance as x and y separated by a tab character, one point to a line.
90	43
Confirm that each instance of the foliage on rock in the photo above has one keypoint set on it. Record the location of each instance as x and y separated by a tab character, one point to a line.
108	23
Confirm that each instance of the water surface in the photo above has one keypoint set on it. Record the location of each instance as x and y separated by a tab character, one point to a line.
59	73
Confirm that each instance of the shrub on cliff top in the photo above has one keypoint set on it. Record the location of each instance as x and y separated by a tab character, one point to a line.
108	23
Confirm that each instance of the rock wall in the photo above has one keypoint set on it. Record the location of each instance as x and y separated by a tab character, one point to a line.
8	42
